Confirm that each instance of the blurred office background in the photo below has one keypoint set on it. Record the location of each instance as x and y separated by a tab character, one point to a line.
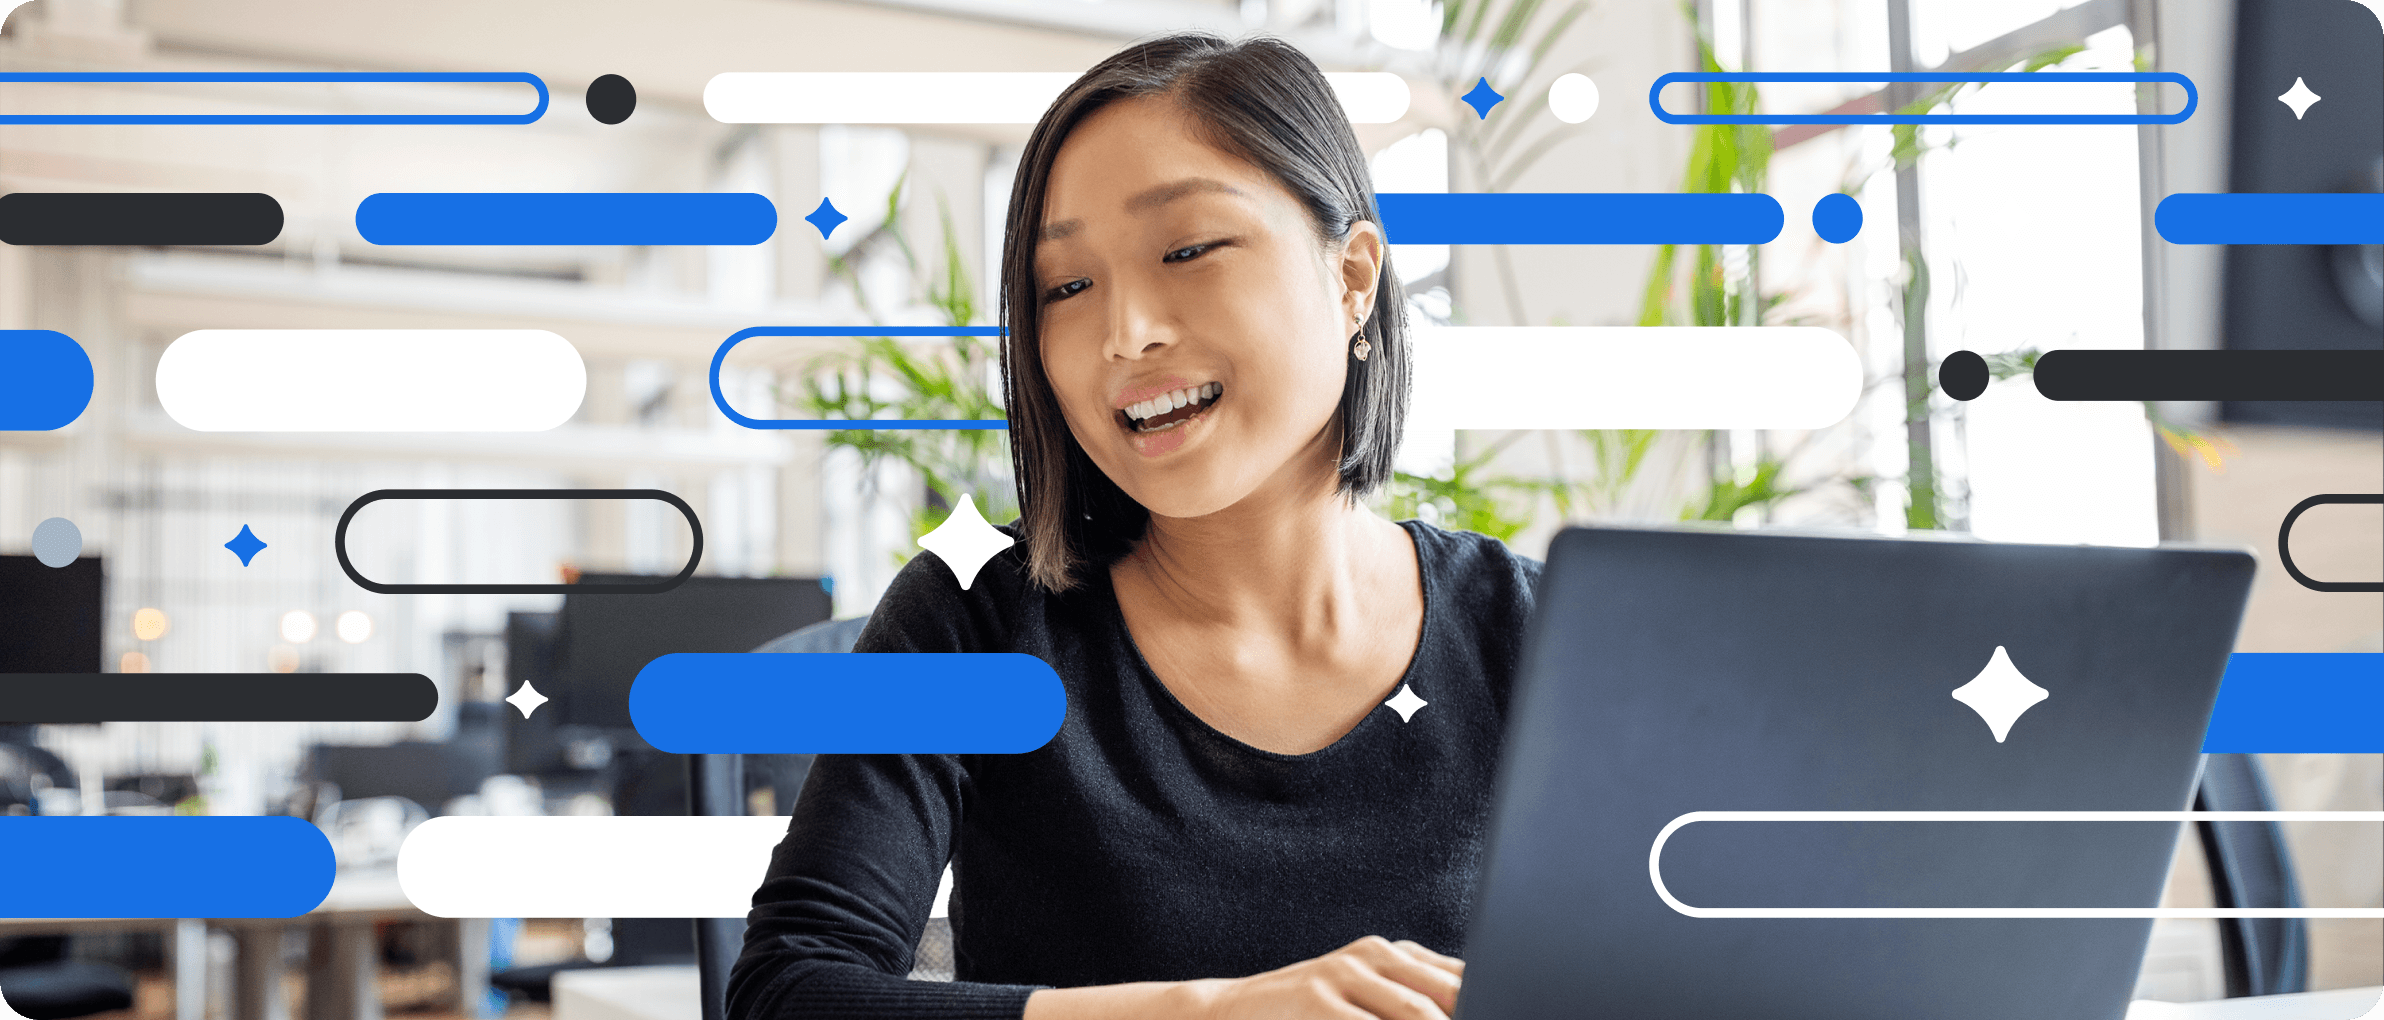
2006	238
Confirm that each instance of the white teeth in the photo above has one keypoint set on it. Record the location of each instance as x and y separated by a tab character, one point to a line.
1171	400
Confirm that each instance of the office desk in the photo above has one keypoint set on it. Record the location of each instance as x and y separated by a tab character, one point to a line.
2340	1004
669	993
343	963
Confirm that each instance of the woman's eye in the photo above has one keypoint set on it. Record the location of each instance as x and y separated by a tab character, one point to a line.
1194	249
1066	289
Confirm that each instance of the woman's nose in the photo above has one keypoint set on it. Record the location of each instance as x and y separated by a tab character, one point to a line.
1139	327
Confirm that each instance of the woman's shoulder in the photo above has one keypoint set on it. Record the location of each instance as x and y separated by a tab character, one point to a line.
927	609
1470	563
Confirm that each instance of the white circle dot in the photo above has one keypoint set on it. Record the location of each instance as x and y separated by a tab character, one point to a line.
354	626
298	626
1573	98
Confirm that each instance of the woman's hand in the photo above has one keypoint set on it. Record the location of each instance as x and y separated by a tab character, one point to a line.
1372	978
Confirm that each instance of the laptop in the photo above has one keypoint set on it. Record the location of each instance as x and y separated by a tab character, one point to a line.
1675	671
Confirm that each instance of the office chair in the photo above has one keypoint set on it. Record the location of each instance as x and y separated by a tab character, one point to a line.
2251	866
715	786
36	978
58	988
824	636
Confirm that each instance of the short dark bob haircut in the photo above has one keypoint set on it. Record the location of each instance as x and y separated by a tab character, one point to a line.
1264	101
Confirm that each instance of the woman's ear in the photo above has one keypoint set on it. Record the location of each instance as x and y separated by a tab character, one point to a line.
1363	253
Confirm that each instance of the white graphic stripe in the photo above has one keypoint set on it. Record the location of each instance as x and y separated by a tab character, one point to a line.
1655	862
571	866
1631	377
960	97
371	380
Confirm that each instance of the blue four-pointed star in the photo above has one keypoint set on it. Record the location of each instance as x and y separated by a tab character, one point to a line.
1482	98
246	544
826	218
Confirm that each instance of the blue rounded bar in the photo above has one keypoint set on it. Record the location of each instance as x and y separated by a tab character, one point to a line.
45	380
847	703
2348	217
1579	218
2299	702
163	866
566	217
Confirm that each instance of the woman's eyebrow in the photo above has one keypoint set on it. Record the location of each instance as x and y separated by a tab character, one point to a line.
1145	201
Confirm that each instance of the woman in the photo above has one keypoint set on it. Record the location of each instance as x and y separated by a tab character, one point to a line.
1206	367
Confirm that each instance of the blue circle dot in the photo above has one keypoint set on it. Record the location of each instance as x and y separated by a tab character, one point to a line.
1837	218
56	542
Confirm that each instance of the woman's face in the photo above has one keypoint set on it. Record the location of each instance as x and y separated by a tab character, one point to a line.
1192	328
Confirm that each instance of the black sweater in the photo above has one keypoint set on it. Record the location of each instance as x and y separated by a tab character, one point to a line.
1141	843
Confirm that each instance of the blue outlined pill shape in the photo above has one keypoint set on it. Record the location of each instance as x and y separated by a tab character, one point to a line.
118	866
720	399
45	381
847	703
1655	97
308	77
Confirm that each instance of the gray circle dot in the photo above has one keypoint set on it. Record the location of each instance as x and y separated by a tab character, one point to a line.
56	542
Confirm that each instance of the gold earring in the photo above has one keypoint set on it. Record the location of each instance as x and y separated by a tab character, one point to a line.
1362	346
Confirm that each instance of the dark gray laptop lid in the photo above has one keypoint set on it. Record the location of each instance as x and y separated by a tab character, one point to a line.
1671	671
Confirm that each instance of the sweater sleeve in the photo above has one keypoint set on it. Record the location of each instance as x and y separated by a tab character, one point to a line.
838	917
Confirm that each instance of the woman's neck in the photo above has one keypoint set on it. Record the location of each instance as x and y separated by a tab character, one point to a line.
1298	557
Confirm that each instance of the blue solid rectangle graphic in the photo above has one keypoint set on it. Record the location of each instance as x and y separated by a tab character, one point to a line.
1578	218
2349	217
45	381
472	217
720	399
2299	702
276	118
1655	100
162	866
847	703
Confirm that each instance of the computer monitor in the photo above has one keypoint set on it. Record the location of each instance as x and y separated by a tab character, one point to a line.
603	639
54	615
1696	712
2306	296
421	771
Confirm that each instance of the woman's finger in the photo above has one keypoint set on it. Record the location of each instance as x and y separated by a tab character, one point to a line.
1436	983
1445	962
1389	999
1406	967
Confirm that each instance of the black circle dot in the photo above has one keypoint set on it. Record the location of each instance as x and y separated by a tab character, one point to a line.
611	99
1963	375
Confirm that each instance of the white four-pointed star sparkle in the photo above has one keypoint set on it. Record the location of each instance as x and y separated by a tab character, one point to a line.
2300	98
1406	703
1999	694
964	541
527	699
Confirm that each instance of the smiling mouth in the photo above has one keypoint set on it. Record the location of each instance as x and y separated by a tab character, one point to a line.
1168	410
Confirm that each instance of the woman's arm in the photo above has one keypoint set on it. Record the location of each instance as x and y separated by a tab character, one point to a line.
1369	979
838	916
